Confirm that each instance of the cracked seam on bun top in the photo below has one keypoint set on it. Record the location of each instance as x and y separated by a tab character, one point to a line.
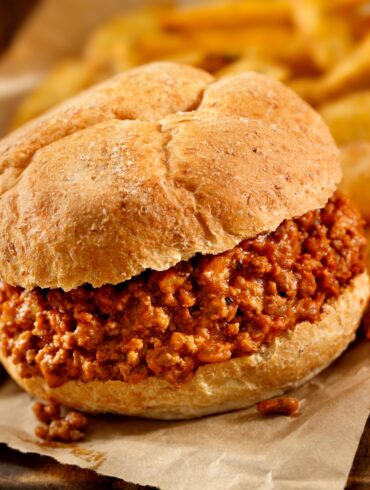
150	168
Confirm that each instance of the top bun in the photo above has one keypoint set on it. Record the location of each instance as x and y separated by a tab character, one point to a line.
151	167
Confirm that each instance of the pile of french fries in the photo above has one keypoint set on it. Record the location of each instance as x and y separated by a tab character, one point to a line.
320	48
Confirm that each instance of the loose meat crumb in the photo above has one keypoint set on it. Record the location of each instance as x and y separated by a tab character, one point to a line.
206	310
68	428
285	405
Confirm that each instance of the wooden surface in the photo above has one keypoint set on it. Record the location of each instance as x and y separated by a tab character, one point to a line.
30	471
359	477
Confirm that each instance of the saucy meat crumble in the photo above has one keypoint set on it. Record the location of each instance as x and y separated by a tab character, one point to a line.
56	426
283	405
205	310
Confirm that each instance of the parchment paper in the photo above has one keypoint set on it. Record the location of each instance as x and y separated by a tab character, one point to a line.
239	450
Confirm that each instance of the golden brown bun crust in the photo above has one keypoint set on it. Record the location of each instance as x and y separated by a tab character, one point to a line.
230	385
151	167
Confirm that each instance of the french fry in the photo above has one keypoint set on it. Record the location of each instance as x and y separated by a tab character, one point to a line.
273	42
113	43
328	37
195	57
355	159
307	16
233	14
351	74
268	42
212	62
346	4
308	88
360	19
266	67
349	117
162	44
332	43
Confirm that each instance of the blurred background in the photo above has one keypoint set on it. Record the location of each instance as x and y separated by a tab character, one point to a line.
11	16
52	49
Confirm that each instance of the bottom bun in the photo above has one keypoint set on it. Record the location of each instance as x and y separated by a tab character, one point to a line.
288	362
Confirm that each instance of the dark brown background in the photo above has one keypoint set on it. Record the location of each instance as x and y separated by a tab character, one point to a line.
12	14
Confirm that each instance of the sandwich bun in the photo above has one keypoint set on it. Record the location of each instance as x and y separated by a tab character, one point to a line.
150	168
153	167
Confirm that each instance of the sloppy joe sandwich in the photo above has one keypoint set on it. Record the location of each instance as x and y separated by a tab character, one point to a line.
173	246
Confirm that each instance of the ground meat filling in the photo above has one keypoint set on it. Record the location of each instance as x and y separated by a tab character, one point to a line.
56	426
206	310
